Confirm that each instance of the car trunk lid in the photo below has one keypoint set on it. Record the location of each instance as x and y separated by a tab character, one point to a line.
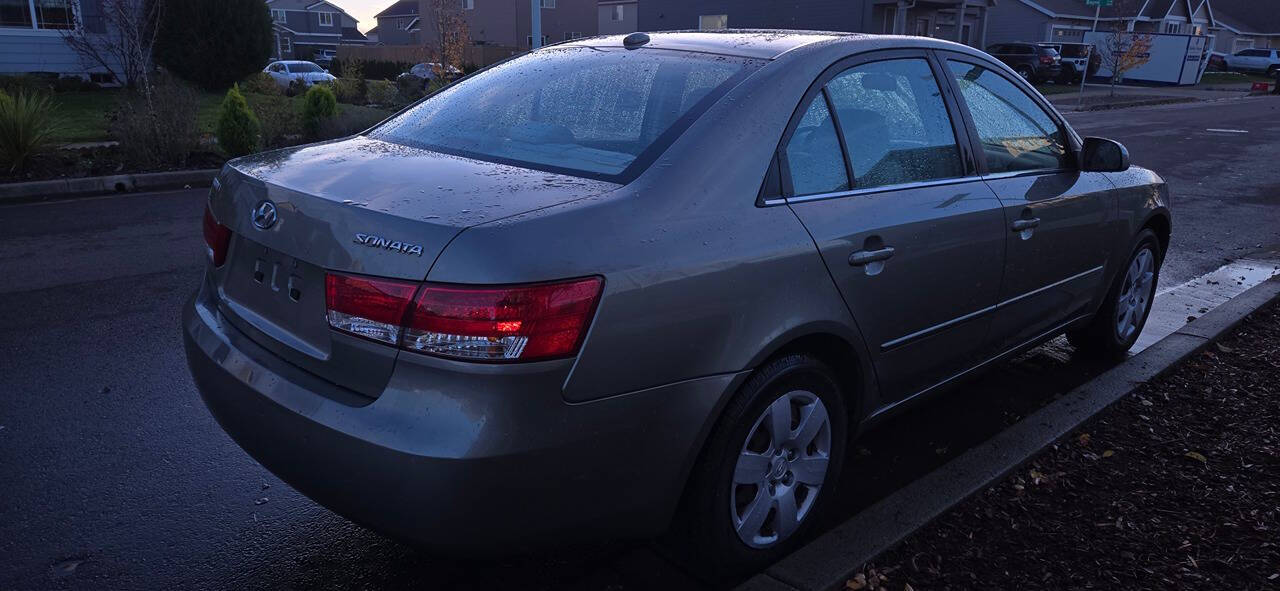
358	206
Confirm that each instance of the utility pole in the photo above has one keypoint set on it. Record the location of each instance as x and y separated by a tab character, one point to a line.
535	25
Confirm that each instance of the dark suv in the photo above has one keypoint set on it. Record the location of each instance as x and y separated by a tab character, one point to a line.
1078	59
1033	62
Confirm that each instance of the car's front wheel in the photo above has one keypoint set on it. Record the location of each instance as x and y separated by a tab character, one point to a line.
768	469
1116	327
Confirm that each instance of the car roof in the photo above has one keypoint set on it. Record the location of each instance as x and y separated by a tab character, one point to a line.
759	43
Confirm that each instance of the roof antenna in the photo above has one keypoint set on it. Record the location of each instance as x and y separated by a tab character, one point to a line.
635	40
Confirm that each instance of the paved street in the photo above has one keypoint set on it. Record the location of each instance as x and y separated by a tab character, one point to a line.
115	476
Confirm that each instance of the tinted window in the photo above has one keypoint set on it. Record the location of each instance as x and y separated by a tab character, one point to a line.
1074	51
1016	133
1022	49
813	153
895	124
595	112
996	49
305	68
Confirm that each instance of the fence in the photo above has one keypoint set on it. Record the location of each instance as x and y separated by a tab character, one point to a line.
481	55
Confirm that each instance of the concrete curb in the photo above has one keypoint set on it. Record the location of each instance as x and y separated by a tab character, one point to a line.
1132	104
102	185
829	561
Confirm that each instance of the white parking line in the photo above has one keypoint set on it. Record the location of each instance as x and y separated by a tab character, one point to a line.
1174	305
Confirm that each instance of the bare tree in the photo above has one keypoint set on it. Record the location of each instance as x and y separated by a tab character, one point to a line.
1123	51
121	43
449	33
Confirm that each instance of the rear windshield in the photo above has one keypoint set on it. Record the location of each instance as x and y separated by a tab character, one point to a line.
303	68
603	113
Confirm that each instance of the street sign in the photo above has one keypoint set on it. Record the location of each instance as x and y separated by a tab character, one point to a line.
1099	2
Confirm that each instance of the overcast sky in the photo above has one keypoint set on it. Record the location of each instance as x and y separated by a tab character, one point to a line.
364	10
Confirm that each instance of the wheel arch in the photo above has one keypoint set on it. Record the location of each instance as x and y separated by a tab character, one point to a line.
1160	223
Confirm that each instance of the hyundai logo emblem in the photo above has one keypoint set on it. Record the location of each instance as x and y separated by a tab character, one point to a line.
264	214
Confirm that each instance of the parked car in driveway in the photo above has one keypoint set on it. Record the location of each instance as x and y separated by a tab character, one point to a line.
1265	61
1034	62
623	286
324	57
286	72
1077	60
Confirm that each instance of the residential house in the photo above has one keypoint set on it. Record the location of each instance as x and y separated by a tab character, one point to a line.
1242	24
618	16
372	35
957	20
508	23
302	27
31	36
399	24
1234	24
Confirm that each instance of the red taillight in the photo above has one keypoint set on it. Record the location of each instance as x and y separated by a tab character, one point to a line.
368	307
217	237
1044	59
507	323
517	323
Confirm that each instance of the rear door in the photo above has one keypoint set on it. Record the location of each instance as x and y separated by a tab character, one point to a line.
1055	216
912	237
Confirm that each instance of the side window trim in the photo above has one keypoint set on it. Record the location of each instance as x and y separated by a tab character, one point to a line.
961	132
1069	134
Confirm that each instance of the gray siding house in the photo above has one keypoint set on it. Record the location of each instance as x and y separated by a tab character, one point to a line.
618	16
31	36
399	24
1235	24
964	21
303	27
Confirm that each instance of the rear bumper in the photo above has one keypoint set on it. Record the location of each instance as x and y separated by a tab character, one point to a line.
472	463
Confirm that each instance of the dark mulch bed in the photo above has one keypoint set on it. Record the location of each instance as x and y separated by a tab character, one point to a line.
103	161
1175	487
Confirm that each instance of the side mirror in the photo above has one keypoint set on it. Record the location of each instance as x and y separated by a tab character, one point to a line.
1103	155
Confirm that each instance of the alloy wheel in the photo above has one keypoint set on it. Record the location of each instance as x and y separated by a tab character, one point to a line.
780	469
1135	294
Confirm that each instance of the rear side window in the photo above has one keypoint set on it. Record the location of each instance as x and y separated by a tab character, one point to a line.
895	125
603	113
1016	133
813	153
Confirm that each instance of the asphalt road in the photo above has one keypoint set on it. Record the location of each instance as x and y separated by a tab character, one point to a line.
113	475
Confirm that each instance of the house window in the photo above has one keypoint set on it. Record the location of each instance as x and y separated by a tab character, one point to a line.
571	35
923	28
548	3
890	20
277	15
619	13
48	14
286	47
528	39
711	22
326	19
468	4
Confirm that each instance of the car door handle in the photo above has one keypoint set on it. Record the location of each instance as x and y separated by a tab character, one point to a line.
866	257
1023	225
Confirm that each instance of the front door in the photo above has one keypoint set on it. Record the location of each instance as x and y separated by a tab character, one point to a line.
912	238
1055	216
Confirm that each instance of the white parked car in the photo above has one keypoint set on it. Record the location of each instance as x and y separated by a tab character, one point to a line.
1255	60
325	56
285	72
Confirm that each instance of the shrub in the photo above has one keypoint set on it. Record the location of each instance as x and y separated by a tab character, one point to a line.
319	108
214	43
297	86
25	84
237	126
278	119
370	69
350	90
382	92
157	130
410	87
28	126
260	83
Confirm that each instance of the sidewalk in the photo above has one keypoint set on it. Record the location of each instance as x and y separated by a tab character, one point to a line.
1099	96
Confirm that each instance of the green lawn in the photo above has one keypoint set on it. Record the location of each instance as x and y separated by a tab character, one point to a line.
1048	89
85	114
1220	78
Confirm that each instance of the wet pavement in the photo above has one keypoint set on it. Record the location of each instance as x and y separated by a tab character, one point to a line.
115	476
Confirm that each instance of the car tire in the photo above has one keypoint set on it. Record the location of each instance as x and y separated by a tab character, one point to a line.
1110	335
1026	73
727	495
